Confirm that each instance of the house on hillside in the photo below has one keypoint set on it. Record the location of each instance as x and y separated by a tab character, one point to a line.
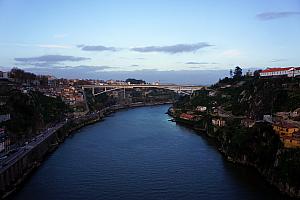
4	117
201	108
4	75
247	122
189	117
291	141
4	141
296	113
218	122
285	128
287	71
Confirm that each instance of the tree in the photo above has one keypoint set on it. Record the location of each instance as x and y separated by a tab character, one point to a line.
237	72
21	76
257	72
135	81
231	73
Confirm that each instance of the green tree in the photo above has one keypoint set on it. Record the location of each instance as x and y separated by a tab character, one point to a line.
237	72
231	73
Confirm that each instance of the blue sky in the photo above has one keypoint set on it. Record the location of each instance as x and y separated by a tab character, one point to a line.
109	38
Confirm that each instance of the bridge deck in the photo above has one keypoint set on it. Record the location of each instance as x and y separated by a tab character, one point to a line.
194	87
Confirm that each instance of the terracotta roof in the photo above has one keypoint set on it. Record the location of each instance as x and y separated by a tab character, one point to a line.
276	69
286	125
290	138
186	116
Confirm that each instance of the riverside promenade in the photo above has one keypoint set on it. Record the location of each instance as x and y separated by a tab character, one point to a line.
23	151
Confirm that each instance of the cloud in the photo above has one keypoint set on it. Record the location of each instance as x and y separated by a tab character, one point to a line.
278	60
88	67
54	46
196	67
83	68
51	58
48	60
81	71
275	15
201	63
51	46
96	48
231	53
178	48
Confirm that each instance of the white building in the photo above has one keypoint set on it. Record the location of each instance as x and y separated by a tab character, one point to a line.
201	108
4	75
287	71
218	122
4	118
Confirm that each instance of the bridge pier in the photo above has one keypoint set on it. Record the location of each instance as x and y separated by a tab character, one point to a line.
124	93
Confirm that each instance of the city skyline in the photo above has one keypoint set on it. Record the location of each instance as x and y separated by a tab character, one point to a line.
157	40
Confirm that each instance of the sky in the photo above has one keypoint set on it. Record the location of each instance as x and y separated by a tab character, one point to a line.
179	41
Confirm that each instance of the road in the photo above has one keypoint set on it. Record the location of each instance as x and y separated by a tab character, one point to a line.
22	151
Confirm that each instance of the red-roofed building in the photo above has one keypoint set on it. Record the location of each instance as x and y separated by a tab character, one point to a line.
285	128
287	71
189	117
291	141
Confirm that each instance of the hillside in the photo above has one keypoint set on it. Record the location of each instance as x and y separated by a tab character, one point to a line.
236	117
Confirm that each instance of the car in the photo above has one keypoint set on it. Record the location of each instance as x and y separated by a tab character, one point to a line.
3	157
12	151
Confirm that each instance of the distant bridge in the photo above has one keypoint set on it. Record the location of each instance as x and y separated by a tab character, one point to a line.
185	89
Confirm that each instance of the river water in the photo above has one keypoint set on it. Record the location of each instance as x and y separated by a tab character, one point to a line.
139	154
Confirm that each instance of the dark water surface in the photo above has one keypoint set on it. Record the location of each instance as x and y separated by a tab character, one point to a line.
138	154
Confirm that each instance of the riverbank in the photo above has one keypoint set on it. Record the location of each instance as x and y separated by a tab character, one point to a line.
20	169
258	155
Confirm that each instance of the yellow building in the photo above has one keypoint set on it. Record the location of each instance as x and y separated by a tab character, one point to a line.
285	129
291	142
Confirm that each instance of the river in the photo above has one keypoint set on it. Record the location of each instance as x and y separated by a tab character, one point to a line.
139	154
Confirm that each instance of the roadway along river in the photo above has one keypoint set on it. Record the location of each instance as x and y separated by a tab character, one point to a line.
139	154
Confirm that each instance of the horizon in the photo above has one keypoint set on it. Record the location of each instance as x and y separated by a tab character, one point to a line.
164	77
169	41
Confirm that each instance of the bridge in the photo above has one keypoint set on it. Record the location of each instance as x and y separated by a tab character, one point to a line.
185	89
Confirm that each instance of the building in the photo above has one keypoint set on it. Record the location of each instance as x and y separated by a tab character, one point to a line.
4	75
189	117
201	108
4	141
79	98
4	117
247	122
291	141
218	122
285	128
212	93
287	71
295	113
268	118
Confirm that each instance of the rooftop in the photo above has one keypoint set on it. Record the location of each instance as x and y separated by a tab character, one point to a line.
276	69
